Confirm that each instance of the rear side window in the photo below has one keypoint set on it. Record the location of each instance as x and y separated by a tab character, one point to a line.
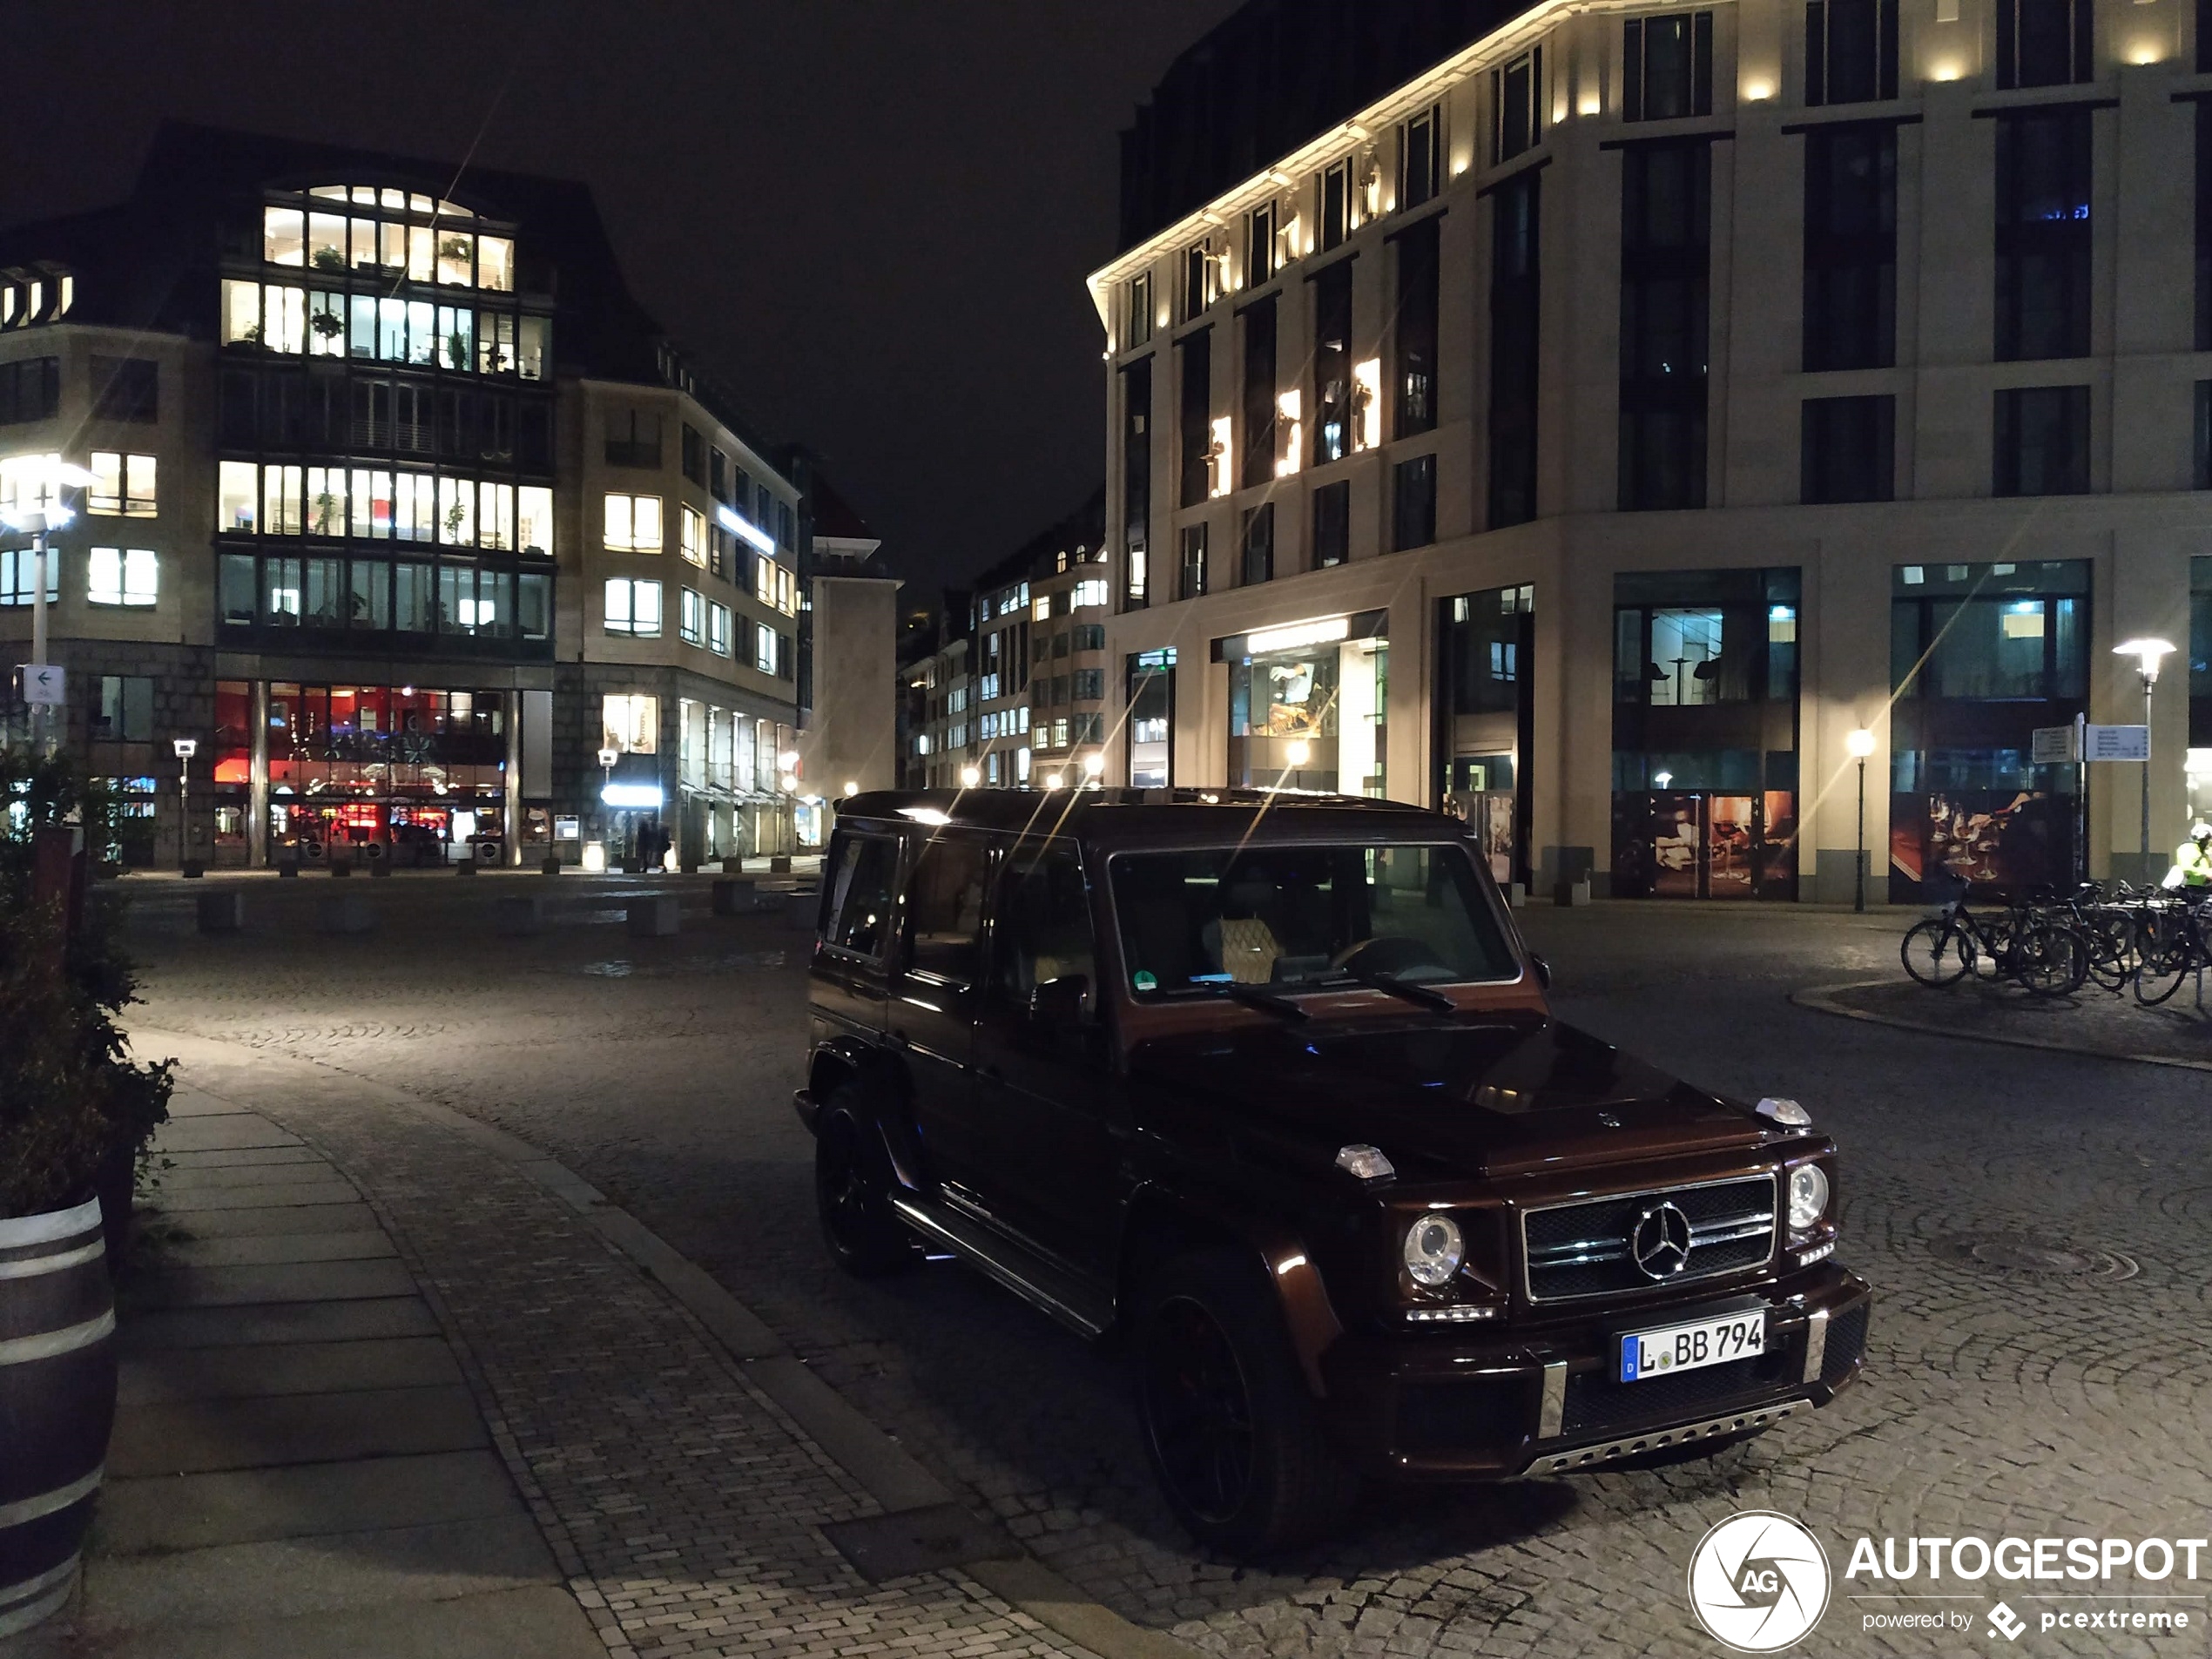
945	908
857	906
1043	928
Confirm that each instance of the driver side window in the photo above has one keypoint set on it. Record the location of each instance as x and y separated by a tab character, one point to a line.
1043	931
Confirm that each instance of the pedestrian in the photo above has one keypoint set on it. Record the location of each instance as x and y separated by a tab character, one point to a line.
2192	859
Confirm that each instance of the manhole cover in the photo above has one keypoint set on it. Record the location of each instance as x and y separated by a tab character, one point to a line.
2044	1257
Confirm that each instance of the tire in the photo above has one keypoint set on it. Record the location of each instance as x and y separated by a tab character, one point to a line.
1233	1433
2051	960
1936	953
852	1183
2162	958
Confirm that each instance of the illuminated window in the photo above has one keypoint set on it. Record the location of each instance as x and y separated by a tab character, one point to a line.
633	523
1091	592
633	607
284	236
284	319
630	723
692	537
236	494
122	484
784	602
456	258
120	576
764	648
533	519
764	581
496	263
18	576
719	629
691	617
283	511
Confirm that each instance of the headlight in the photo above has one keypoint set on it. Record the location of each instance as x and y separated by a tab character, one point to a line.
1433	1250
1808	1198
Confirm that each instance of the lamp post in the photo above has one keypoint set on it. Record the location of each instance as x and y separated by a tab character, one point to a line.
186	748
970	776
2147	653
1858	744
43	478
1094	767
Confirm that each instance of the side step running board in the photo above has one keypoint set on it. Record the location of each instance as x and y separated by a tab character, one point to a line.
1027	1275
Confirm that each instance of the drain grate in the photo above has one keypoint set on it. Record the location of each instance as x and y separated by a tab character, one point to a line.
2039	1258
917	1540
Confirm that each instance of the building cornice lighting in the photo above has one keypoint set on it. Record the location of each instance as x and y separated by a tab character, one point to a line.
1320	630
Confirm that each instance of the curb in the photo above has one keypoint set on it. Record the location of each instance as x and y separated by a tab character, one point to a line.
1821	1000
876	1462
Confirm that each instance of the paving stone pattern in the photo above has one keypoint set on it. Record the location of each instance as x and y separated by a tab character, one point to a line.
1999	1398
683	1507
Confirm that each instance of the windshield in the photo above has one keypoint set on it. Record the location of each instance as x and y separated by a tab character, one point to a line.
1304	918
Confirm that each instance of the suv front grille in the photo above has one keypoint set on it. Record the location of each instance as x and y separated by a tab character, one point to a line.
1588	1249
1595	1401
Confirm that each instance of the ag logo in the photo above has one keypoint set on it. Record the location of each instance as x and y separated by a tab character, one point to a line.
1759	1581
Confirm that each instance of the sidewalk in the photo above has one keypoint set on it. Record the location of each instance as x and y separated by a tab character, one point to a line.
398	1384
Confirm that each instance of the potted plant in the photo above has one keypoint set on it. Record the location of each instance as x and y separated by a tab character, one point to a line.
76	1115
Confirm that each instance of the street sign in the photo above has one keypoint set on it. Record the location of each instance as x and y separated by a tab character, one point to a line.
2050	744
39	684
2115	742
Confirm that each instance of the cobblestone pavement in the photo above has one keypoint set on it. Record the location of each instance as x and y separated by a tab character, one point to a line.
2036	1224
2096	1021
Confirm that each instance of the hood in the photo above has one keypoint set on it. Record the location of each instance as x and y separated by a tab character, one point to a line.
1497	1095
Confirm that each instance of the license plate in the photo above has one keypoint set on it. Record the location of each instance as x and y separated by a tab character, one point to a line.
1646	1354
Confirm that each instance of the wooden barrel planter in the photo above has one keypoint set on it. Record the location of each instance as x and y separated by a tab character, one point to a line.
57	1402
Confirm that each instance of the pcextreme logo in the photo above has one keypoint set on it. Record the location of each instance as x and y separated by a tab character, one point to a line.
1759	1581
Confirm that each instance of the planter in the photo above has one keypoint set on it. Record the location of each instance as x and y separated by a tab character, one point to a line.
57	1403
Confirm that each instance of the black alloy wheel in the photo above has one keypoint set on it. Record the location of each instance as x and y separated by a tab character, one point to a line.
1936	953
1199	1412
1233	1432
852	1183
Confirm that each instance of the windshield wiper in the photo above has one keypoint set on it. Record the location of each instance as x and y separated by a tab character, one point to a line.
1252	996
1411	992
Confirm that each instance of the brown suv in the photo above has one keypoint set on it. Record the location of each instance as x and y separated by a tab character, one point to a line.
1268	1086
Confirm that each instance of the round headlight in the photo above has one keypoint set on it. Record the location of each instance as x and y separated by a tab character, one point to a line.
1808	1196
1433	1250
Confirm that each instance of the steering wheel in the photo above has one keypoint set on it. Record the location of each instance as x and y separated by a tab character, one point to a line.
1401	958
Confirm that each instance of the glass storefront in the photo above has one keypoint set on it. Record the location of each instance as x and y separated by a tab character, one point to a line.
1485	714
1705	680
1309	705
1981	655
1152	718
412	773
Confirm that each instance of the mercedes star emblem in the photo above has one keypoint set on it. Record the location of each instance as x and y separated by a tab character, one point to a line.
1660	1242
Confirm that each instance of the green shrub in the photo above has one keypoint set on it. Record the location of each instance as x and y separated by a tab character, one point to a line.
74	1106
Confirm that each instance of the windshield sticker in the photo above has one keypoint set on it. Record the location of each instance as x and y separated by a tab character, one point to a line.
1144	981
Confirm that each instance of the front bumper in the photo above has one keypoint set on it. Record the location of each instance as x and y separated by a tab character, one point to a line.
1539	1398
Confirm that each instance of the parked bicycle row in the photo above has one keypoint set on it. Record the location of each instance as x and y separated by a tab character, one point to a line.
2118	938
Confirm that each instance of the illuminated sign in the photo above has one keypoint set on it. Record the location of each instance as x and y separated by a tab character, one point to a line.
631	795
745	528
1289	637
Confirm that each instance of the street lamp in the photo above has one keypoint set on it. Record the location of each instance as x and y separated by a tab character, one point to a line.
2147	653
1094	766
970	776
186	748
1858	744
1053	780
42	478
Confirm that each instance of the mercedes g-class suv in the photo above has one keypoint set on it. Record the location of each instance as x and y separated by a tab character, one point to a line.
1267	1086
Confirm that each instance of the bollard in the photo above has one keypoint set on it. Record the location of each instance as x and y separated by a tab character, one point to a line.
347	915
779	864
287	866
733	866
466	866
194	870
552	865
342	866
800	909
736	898
519	917
1569	894
1516	895
379	869
221	913
653	918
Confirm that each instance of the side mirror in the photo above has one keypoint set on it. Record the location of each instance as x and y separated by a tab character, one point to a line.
1058	1003
1543	970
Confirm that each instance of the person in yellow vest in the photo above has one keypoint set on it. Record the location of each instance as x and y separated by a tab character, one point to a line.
2192	859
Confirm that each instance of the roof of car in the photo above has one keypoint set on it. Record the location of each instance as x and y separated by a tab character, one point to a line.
1132	813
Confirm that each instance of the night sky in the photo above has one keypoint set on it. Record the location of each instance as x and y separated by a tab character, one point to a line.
871	218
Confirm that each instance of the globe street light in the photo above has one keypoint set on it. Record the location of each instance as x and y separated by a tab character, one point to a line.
40	480
1858	744
970	776
2147	653
1094	766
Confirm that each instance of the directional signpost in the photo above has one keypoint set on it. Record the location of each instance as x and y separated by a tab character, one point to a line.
40	685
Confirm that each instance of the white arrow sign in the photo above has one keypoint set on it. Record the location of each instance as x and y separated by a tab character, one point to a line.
41	685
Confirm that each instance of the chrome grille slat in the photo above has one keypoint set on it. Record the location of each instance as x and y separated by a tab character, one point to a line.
1582	1248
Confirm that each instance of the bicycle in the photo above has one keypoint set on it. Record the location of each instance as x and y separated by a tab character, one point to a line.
2170	944
2045	956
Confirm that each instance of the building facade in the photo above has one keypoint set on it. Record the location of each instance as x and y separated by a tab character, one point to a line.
403	512
1591	429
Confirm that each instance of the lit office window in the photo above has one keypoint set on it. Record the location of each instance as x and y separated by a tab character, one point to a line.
633	607
633	523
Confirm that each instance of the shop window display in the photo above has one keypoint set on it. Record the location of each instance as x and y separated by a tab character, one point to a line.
1308	706
410	773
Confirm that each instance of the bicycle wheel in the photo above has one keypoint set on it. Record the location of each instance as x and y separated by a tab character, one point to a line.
1936	953
2111	950
1994	949
2050	959
2162	956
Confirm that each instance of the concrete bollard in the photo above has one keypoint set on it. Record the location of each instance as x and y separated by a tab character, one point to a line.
779	864
520	916
287	866
221	913
342	866
347	915
1516	895
654	918
736	898
467	867
733	866
800	909
195	869
381	870
1569	894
